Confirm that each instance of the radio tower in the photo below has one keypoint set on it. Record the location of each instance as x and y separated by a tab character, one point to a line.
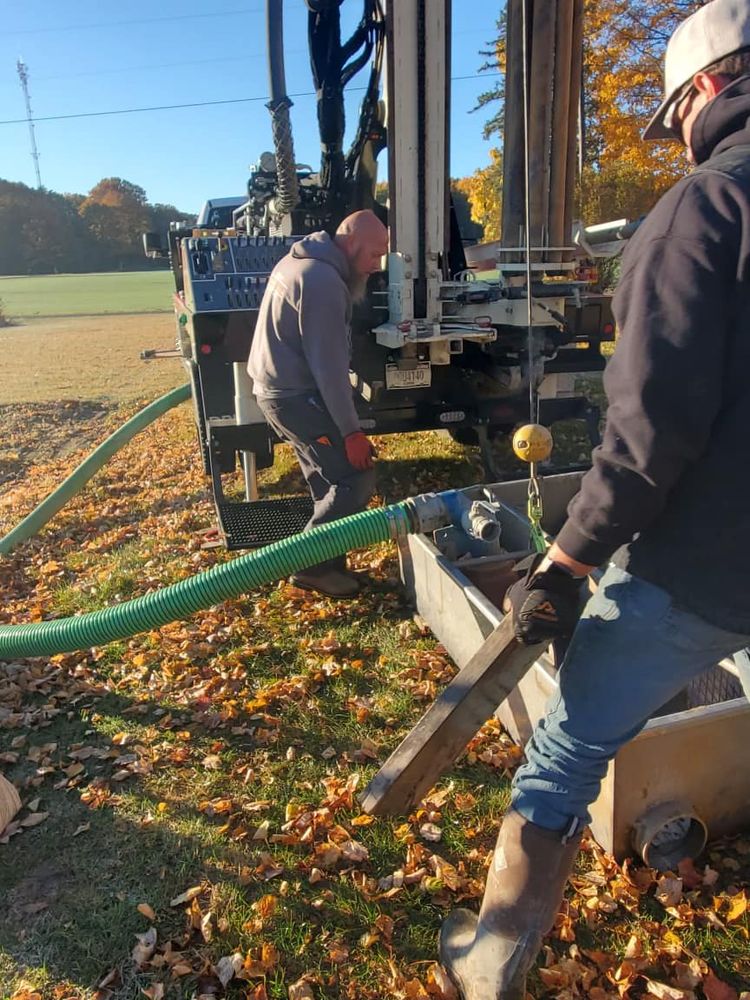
23	75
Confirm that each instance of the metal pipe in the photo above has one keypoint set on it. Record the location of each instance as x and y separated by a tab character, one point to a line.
667	833
560	127
513	146
574	137
540	121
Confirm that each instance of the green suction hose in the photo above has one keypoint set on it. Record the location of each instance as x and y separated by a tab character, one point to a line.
211	587
89	467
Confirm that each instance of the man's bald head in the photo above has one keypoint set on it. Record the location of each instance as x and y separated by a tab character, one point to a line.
364	240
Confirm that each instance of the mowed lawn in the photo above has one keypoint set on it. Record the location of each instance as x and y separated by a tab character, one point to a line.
86	294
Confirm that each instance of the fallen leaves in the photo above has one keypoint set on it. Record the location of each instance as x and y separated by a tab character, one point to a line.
716	989
301	990
187	896
34	819
145	947
205	708
669	891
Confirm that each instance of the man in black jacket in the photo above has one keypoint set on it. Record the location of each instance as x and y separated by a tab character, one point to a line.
666	500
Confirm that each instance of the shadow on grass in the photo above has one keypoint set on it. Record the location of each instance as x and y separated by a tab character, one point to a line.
72	894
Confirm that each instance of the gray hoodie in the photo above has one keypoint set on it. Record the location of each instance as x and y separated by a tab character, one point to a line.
302	341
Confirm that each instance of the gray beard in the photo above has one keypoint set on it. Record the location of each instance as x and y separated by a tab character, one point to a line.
357	285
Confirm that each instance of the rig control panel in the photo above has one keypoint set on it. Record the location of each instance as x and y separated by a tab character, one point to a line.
224	273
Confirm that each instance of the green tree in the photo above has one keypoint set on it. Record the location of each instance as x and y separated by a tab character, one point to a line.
40	232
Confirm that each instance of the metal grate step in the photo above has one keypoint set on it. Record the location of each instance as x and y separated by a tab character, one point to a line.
252	525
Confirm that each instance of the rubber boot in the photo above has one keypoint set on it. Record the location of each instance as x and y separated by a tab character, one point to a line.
488	956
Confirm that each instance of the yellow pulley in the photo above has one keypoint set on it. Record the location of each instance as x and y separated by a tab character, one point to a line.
532	443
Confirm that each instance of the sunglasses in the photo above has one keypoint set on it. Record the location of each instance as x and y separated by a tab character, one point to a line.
676	115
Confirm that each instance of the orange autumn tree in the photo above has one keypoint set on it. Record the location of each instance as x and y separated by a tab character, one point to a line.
623	60
483	189
624	43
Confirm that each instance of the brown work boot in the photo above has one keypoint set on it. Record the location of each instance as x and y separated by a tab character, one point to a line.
488	956
331	582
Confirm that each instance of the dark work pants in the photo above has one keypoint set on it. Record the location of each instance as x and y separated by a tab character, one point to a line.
337	488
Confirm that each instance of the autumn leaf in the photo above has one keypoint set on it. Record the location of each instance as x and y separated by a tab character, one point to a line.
439	984
34	819
301	990
145	948
430	831
663	992
737	907
338	952
716	989
187	896
669	890
228	967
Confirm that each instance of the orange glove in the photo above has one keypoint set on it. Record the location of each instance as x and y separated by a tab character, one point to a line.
359	450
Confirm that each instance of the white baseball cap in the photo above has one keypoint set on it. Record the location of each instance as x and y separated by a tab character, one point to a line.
715	30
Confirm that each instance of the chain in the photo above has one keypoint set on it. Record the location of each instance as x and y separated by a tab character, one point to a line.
535	512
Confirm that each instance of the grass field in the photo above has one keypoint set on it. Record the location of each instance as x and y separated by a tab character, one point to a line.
87	358
197	784
86	294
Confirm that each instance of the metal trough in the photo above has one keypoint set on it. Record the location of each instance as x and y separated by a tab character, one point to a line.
682	779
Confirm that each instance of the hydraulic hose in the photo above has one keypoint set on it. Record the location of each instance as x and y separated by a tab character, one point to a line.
286	166
215	585
89	467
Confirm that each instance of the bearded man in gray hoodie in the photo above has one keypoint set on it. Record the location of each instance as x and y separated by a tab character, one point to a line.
299	364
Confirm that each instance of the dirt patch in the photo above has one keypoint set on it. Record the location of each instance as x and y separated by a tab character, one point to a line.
41	432
34	893
87	358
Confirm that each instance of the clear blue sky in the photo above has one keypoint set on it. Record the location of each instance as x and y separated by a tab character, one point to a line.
95	56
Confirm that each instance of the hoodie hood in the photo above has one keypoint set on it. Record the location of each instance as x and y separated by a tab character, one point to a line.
320	246
724	122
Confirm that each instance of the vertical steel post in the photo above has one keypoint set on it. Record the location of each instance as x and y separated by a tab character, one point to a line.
574	133
560	139
513	155
540	120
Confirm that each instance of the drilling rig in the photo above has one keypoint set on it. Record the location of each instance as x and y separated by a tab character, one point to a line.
473	340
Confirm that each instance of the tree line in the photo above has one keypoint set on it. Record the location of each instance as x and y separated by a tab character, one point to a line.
42	232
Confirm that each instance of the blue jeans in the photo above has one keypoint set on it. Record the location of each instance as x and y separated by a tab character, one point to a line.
632	651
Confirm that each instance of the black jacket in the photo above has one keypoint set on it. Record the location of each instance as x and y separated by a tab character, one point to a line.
673	469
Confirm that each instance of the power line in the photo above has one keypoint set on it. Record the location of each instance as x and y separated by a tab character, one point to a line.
157	107
194	104
141	20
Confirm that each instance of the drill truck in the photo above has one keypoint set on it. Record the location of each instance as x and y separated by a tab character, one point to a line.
449	337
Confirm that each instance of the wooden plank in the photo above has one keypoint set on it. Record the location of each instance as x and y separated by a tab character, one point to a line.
441	735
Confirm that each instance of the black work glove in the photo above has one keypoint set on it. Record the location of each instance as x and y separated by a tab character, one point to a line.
544	606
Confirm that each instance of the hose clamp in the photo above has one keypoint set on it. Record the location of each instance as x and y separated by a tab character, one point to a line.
398	521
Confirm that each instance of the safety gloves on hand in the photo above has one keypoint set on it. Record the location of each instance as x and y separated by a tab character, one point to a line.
359	450
545	603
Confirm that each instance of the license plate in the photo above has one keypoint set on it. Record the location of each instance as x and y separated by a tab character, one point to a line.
408	378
